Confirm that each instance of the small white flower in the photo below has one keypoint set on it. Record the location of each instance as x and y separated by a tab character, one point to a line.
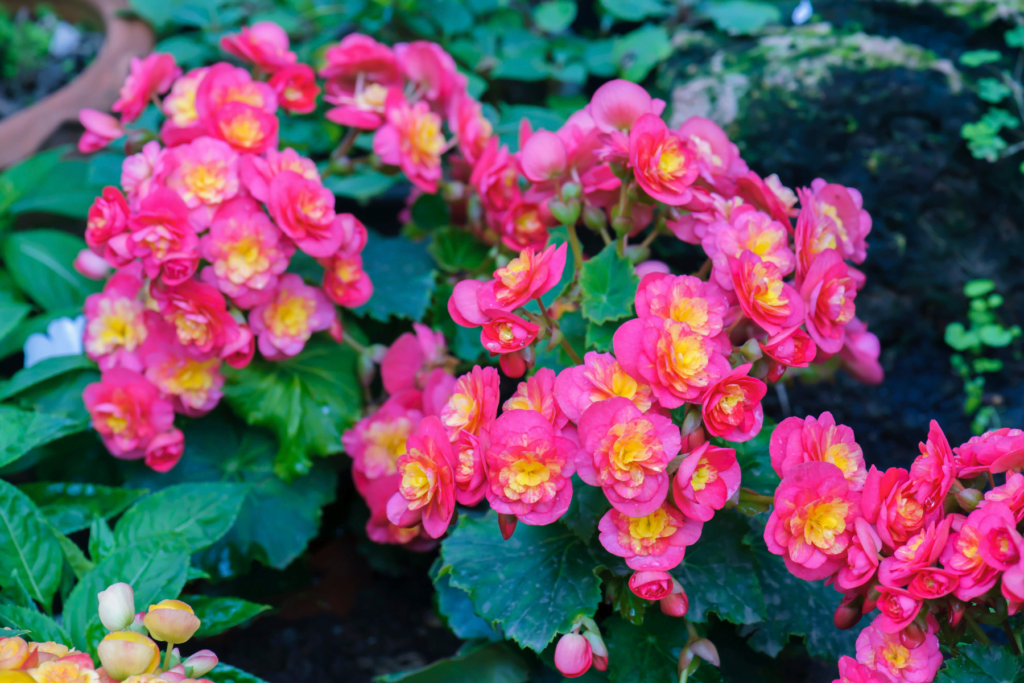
63	338
802	12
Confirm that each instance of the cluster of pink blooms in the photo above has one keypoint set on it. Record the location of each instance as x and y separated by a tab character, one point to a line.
201	233
924	546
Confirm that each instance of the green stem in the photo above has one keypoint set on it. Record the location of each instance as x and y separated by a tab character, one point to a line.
976	630
577	249
354	344
567	347
620	245
1014	643
748	496
167	656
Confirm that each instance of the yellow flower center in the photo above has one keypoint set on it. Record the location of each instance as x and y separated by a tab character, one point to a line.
244	130
289	315
117	424
693	312
896	655
671	160
245	258
386	443
417	480
206	180
652	527
824	522
118	325
839	455
527	474
689	356
704	475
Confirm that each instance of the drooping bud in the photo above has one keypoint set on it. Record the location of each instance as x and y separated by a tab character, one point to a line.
706	650
692	431
849	612
507	524
337	330
622	225
91	265
637	253
597	650
685	660
174	660
573	655
117	607
171	621
956	611
651	585
453	191
675	604
571	190
751	351
913	635
139	624
127	653
594	217
200	663
969	499
567	212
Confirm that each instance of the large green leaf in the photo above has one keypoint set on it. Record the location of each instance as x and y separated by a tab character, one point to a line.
535	585
457	609
225	673
45	370
608	283
41	628
220	614
638	52
11	314
494	663
200	513
40	262
21	178
71	507
23	430
307	401
554	16
650	652
587	507
719	573
29	552
979	664
458	251
362	185
755	461
635	10
402	272
155	568
738	17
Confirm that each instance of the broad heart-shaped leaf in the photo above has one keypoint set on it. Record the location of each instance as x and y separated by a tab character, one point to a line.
361	186
739	17
608	283
402	272
650	652
980	664
29	552
41	628
64	190
638	52
534	585
155	568
45	370
40	262
457	251
17	180
587	507
493	663
719	573
794	607
599	337
277	520
23	430
457	609
554	16
200	513
307	401
219	614
225	673
755	461
11	313
72	507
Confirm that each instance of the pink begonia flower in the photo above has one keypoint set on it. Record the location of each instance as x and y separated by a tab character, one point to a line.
651	585
768	195
764	297
426	494
887	655
898	608
194	386
654	542
685	299
182	123
377	441
257	172
627	453
1011	493
797	441
862	558
618	104
138	173
707	478
998	450
246	252
162	237
470	472
244	127
204	173
793	348
431	70
934	471
100	130
1012	588
115	325
506	332
543	157
470	127
149	76
889	502
495	177
474	404
438	387
732	406
345	281
528	467
852	671
377	493
264	44
201	320
920	551
411	139
127	411
860	353
812	525
304	210
837	220
573	655
360	56
645	268
719	159
599	378
962	556
89	265
538	393
107	218
406	359
752	231
289	318
664	164
225	84
296	88
677	363
165	451
525	225
828	292
998	539
692	228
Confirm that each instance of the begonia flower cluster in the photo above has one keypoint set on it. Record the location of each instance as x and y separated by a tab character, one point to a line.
200	235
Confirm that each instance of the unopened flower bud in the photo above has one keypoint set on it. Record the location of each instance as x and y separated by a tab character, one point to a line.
566	213
453	191
969	499
706	650
127	653
597	650
849	612
571	190
337	331
507	525
622	225
139	624
675	604
91	265
117	607
200	663
175	660
171	621
594	217
913	635
367	369
619	170
573	655
651	585
751	351
956	611
637	253
685	659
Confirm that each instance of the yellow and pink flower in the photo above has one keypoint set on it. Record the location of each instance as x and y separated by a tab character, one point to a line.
718	158
665	165
286	321
204	173
296	88
107	219
162	236
182	123
654	542
538	393
470	126
359	72
686	299
426	492
304	210
752	231
127	411
149	76
345	281
828	292
411	139
263	44
820	439
732	406
244	127
377	441
897	661
768	195
474	403
599	378
201	320
115	325
193	385
706	479
771	303
431	70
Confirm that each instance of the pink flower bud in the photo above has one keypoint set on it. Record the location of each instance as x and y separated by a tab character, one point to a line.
507	524
675	604
171	621
706	650
127	653
597	649
117	607
573	655
969	499
645	267
200	663
651	585
543	157
91	265
913	635
849	611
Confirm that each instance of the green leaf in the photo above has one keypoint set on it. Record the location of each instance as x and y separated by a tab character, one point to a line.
42	371
992	90
535	584
429	212
18	180
27	547
64	190
76	559
200	513
101	540
554	16
635	10
225	673
741	17
71	507
23	430
980	664
512	115
719	573
495	663
220	614
960	338
403	278
363	185
755	461
976	288
457	251
307	401
155	568
978	57
40	262
608	283
638	654
587	507
11	313
995	336
628	604
638	52
189	50
599	337
1015	37
457	609
40	627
